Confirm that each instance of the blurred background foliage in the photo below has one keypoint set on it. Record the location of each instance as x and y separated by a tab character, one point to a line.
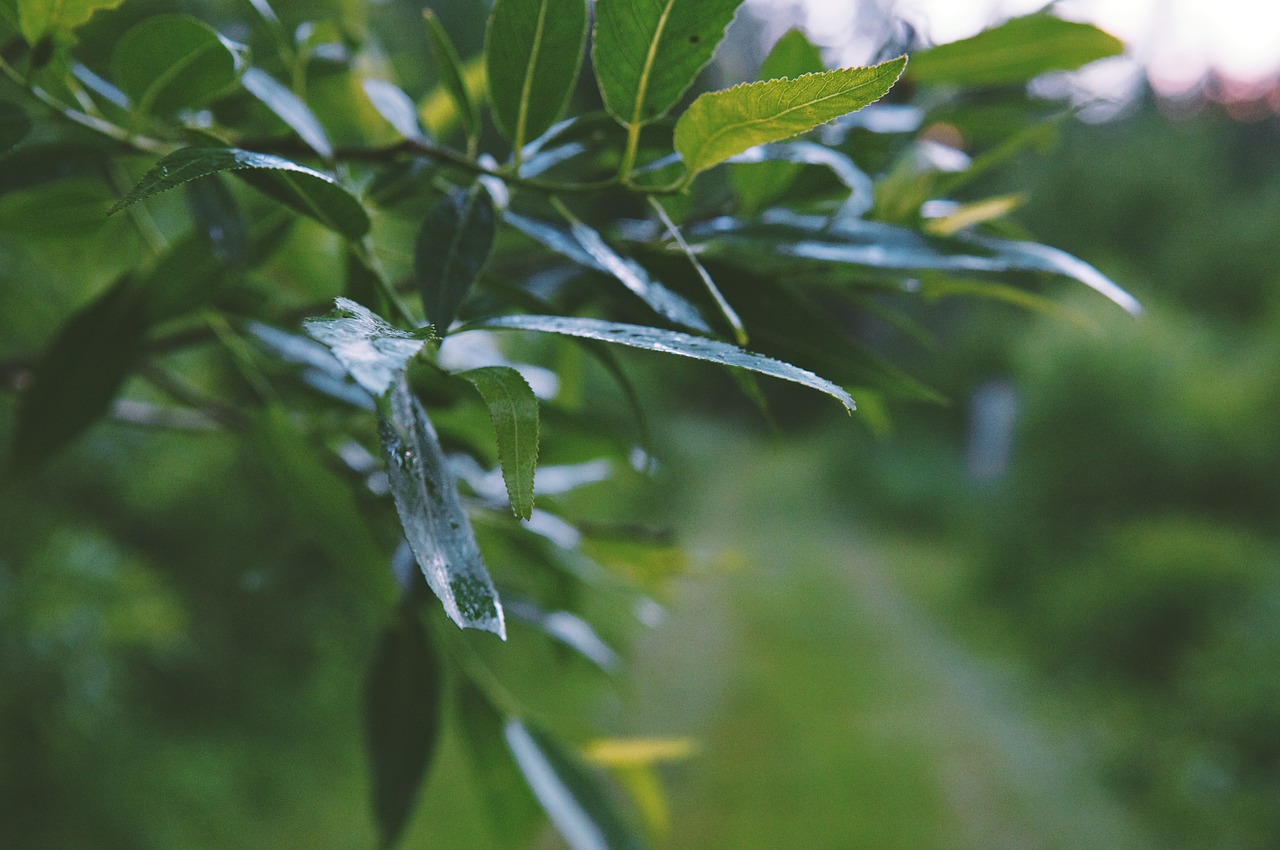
1043	614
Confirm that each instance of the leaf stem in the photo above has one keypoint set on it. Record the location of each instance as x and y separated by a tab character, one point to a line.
730	315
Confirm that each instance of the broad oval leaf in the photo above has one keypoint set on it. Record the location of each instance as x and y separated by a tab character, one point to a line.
431	514
39	18
670	342
647	53
373	352
452	247
514	410
1014	52
396	107
720	124
573	796
171	62
14	126
532	51
289	108
403	705
302	189
449	70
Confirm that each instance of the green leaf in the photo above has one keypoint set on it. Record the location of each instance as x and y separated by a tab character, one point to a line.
727	311
670	342
302	189
39	18
514	410
373	352
573	796
449	70
532	51
289	108
511	809
567	628
758	189
720	124
168	63
791	56
1014	52
452	247
217	220
403	703
647	53
396	107
431	514
14	126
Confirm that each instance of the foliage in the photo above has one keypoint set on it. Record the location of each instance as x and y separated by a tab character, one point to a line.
609	228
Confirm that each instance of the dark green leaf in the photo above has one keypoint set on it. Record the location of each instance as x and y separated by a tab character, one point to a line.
403	699
452	247
670	342
1014	52
449	70
217	220
573	796
648	52
289	108
791	56
171	62
532	51
373	353
431	513
720	124
39	18
396	107
14	126
302	189
514	410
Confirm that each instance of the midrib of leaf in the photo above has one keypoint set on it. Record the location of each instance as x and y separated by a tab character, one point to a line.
526	90
517	466
642	87
161	82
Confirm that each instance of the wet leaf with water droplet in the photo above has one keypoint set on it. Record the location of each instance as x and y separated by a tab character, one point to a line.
373	353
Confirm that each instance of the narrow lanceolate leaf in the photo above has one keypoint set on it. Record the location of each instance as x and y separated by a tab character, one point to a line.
510	807
756	190
452	247
670	342
532	50
403	704
730	316
302	189
569	629
14	126
791	56
1014	52
289	108
647	53
217	221
449	70
396	107
39	18
720	124
585	246
373	353
514	410
431	514
573	796
171	62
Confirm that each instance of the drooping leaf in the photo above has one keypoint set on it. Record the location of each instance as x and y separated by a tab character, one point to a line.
39	18
512	810
449	70
793	155
573	796
647	53
532	51
514	411
1014	52
373	352
302	189
720	124
586	247
451	249
14	126
793	55
567	628
431	513
670	342
217	220
289	108
396	107
167	63
403	702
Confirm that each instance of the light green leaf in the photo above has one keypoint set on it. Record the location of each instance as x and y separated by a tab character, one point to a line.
514	410
449	70
168	63
14	126
573	796
396	107
720	124
289	108
39	18
1014	52
431	514
532	51
302	189
373	352
670	342
793	55
647	53
403	706
452	247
